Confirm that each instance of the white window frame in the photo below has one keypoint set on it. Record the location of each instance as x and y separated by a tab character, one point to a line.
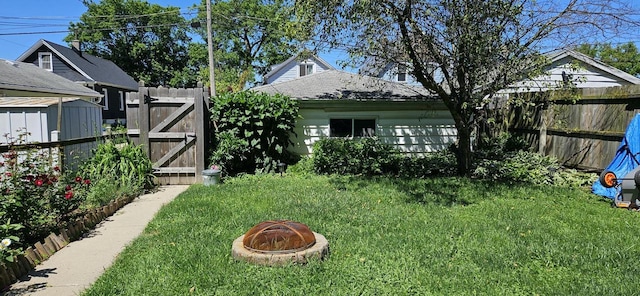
121	100
402	72
353	124
308	67
106	99
41	64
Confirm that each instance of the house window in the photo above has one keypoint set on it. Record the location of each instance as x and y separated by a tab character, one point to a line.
402	72
348	127
306	69
121	100
45	61
106	100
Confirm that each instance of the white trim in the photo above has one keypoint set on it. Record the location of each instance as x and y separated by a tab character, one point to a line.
106	99
121	100
41	55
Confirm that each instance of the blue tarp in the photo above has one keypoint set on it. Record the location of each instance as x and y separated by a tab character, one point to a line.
626	158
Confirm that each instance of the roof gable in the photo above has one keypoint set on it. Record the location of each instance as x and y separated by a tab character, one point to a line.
557	56
92	68
275	69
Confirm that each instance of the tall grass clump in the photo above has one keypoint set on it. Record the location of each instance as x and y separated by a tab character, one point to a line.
119	170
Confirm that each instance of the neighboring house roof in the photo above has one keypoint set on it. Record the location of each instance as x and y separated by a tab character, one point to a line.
558	55
27	80
280	66
92	68
339	85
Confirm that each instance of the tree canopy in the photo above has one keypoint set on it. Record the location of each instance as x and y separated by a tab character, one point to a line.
477	47
624	56
148	41
250	36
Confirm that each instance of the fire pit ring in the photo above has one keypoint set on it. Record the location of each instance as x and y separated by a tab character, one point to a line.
279	242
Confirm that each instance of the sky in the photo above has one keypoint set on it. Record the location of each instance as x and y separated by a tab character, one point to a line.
23	21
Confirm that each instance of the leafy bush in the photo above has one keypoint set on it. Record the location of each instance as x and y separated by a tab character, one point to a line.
362	156
253	131
439	163
519	166
497	147
119	170
573	179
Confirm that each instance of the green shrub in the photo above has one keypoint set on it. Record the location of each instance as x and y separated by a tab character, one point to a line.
253	131
439	163
498	147
362	156
302	167
519	166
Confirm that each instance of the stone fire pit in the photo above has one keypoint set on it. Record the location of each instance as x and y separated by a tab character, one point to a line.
279	242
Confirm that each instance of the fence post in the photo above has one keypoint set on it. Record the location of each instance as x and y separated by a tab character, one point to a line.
143	116
56	156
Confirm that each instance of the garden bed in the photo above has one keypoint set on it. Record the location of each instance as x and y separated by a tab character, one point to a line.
10	272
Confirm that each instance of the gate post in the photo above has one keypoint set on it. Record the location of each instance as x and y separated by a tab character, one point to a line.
143	116
200	132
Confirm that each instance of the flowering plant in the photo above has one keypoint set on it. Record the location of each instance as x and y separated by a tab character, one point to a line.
34	193
6	253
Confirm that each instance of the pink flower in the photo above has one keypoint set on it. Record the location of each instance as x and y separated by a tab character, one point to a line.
56	168
78	179
39	182
67	188
87	181
68	195
8	174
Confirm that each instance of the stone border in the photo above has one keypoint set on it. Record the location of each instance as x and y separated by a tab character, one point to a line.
319	250
10	272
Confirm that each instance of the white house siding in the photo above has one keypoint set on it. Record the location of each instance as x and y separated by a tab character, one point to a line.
583	76
291	71
412	131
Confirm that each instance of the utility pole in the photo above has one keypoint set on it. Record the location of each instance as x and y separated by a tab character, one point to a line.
212	82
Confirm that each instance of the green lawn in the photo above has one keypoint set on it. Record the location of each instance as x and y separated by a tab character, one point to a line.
444	236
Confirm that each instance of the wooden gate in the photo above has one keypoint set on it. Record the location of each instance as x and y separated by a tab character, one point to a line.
172	125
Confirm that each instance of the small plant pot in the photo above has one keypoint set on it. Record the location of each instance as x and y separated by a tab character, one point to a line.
211	177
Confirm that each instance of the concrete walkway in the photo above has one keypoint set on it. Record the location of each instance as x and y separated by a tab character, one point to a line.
76	266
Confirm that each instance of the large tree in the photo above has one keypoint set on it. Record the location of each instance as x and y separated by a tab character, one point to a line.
624	56
464	51
250	36
148	41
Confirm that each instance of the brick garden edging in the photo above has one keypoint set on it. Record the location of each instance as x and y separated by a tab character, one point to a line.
10	272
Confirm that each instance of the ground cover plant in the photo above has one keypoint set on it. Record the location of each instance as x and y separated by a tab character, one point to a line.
388	236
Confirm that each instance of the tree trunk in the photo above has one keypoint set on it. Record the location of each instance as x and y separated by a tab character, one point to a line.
463	153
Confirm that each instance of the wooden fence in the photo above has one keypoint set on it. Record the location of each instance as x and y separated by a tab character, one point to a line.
65	153
583	129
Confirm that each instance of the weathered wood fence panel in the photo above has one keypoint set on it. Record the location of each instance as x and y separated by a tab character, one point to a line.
172	124
583	130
